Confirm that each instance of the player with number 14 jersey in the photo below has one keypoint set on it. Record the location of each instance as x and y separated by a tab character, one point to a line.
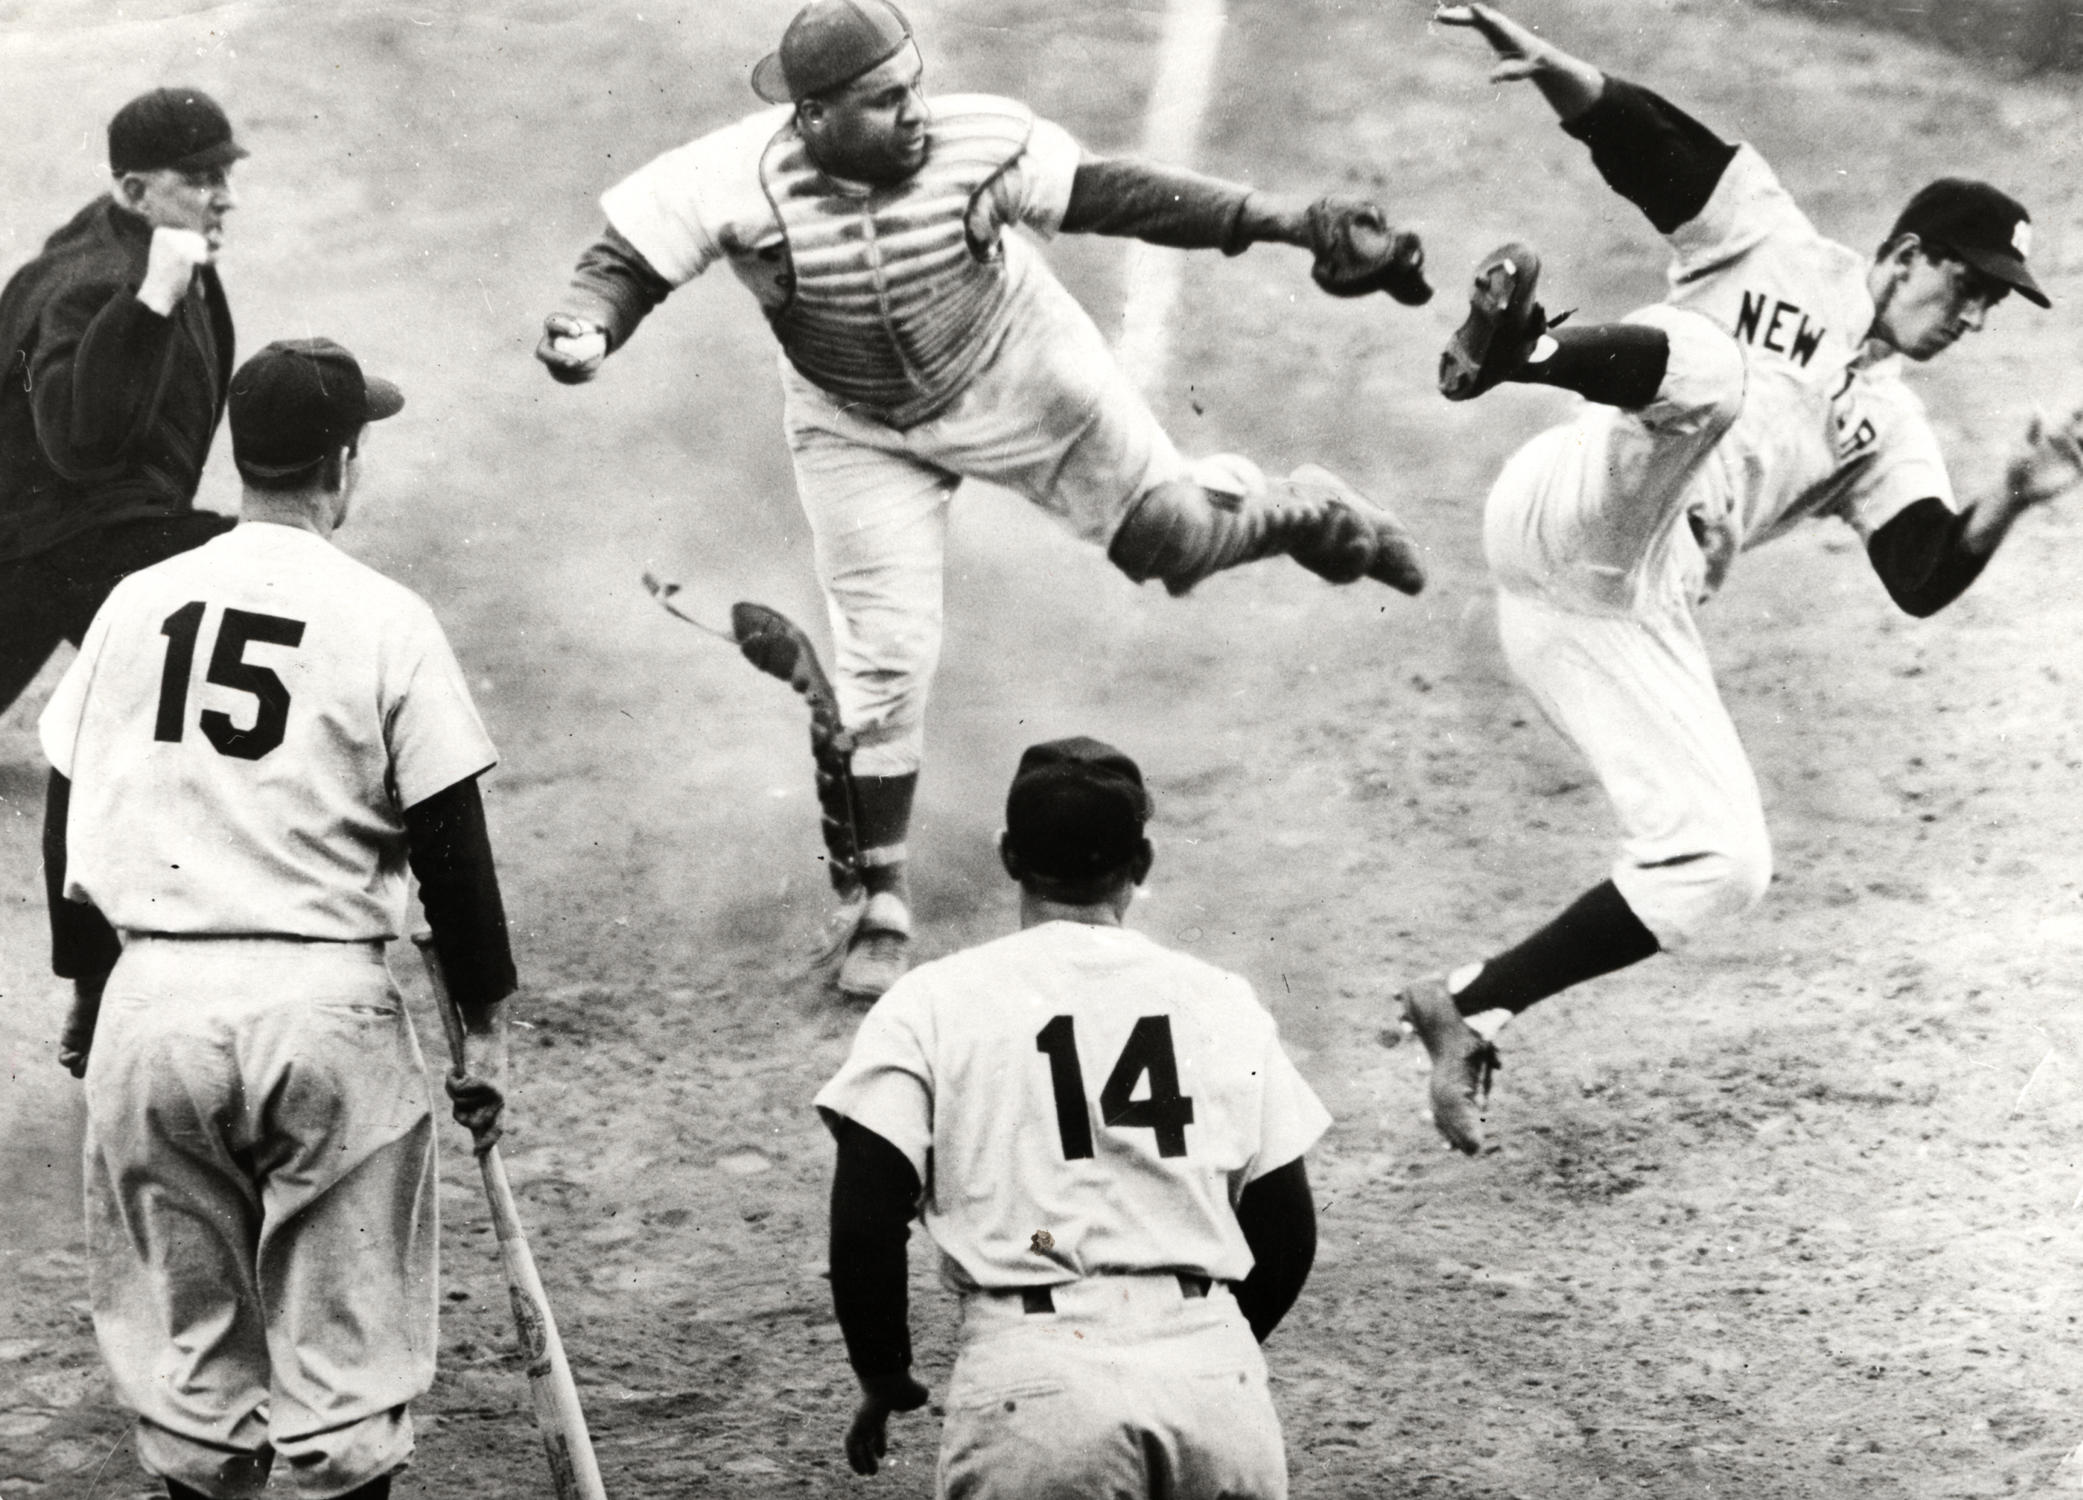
1107	1142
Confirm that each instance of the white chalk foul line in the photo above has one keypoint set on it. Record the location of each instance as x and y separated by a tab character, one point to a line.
1186	51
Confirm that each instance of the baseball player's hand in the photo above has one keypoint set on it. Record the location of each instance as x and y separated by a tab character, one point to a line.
1569	84
571	349
1520	53
1357	252
170	266
867	1439
77	1039
2049	464
478	1097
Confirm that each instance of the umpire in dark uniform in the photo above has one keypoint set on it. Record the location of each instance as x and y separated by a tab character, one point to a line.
115	356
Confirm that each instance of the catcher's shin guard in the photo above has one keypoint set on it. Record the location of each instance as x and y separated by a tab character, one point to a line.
1182	532
883	807
777	646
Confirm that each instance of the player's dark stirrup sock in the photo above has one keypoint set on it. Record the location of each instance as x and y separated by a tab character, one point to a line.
1595	934
1614	364
883	804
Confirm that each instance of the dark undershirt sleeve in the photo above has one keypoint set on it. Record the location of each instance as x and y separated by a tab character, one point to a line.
1159	205
450	853
1278	1217
875	1192
1921	558
614	285
1652	153
83	945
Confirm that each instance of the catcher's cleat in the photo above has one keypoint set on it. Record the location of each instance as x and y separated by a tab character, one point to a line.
1185	530
1462	1062
1348	536
1504	324
879	951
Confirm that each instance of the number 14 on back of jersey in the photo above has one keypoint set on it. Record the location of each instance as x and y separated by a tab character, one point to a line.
1164	1111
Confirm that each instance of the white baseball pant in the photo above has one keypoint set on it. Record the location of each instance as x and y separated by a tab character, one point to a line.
1597	569
1049	415
261	1211
1128	1389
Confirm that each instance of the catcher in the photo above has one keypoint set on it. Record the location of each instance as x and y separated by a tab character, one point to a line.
924	341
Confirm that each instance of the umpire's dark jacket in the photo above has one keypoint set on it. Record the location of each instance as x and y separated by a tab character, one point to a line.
107	410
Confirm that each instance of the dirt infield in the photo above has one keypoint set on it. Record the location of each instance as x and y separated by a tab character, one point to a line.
1795	1214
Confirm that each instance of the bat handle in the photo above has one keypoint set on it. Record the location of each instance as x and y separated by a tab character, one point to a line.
444	1002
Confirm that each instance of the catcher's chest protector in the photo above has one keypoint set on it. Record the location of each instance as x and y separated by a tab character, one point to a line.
892	302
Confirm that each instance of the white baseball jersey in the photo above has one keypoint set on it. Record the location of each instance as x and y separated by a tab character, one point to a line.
1827	427
1078	1100
1810	421
704	202
244	727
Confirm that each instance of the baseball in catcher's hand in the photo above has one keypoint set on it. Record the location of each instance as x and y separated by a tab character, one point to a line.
571	348
1357	252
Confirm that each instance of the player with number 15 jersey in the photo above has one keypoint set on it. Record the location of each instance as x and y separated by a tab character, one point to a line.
235	815
258	739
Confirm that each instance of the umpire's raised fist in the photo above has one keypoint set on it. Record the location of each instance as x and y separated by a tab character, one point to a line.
571	349
170	265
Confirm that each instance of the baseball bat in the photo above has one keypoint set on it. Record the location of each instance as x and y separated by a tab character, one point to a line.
574	1473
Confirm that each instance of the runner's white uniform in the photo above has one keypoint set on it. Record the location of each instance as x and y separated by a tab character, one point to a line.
1605	533
969	1066
243	728
1043	409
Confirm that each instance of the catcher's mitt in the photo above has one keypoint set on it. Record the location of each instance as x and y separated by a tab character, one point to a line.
1357	252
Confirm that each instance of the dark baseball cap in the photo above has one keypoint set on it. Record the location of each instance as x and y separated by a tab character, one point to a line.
1983	226
1076	810
297	401
830	43
179	128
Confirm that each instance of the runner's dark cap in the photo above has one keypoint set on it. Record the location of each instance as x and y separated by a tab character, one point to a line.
830	43
297	401
1076	810
1988	229
179	128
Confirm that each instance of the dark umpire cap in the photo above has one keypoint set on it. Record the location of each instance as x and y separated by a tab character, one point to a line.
179	128
297	401
829	43
1988	229
1076	810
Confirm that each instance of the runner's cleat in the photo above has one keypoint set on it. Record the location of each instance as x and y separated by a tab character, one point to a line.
1503	326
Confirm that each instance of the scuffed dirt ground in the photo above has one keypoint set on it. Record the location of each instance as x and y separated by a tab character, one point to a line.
1792	1215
